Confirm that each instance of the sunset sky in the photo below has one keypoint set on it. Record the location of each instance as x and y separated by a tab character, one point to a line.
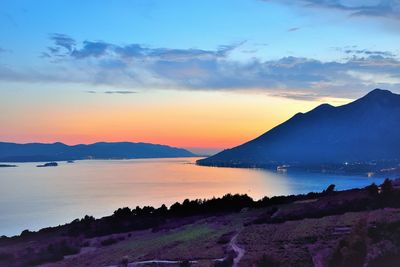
203	75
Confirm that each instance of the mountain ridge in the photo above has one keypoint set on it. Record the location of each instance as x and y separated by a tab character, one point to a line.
363	130
36	152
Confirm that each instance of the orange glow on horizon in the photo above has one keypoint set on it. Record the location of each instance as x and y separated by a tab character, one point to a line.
177	118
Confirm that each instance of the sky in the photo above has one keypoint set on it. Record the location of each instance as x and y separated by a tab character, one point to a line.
204	75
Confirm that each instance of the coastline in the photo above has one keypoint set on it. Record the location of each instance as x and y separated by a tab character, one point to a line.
238	215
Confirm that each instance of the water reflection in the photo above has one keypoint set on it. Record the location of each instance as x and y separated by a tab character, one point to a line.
32	198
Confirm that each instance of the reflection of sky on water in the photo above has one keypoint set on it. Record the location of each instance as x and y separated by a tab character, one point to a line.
32	198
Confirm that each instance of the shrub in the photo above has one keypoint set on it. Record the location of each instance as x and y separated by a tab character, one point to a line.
185	263
267	261
53	252
351	251
108	241
224	263
225	238
6	257
124	261
26	233
373	189
329	189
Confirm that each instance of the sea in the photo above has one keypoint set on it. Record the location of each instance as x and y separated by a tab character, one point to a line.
33	198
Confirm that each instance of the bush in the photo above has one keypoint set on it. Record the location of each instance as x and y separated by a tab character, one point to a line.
351	251
124	261
329	190
388	259
225	238
26	233
185	263
53	252
387	187
224	263
373	189
6	257
267	261
108	241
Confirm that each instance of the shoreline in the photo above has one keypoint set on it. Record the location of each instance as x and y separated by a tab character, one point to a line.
299	198
212	228
35	223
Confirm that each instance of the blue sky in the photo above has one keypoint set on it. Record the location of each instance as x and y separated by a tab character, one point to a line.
304	50
257	36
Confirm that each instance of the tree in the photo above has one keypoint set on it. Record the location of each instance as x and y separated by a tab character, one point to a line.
373	189
329	189
387	187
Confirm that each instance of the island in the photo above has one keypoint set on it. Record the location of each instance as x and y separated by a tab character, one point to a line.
49	164
7	165
42	152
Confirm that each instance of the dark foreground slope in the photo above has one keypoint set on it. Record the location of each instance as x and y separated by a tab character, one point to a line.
358	227
364	130
11	152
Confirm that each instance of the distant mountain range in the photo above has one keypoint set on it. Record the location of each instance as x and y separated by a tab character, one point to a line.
365	130
11	152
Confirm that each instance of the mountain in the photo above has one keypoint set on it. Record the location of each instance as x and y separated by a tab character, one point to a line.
11	152
364	130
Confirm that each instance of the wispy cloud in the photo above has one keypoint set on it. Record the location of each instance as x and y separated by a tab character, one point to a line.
366	52
65	46
90	49
141	67
294	29
121	92
372	8
62	40
125	92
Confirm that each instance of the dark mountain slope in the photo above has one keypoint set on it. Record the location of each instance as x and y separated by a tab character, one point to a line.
366	129
11	152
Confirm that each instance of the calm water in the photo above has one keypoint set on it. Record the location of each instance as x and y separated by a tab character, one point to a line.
33	198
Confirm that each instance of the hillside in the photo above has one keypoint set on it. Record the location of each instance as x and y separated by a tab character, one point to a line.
361	131
11	152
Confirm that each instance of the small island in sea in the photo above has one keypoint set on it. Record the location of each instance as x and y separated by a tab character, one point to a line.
7	165
49	164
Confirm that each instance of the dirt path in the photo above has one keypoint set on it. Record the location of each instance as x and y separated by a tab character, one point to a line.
238	250
133	264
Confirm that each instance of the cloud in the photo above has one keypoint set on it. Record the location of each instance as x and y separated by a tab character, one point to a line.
299	95
62	40
372	8
293	29
91	49
135	66
366	52
97	49
9	19
120	92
